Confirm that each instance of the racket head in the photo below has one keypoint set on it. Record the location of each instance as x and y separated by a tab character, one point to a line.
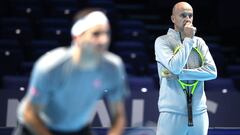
195	60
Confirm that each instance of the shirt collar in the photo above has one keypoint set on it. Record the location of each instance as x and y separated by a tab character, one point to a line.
176	35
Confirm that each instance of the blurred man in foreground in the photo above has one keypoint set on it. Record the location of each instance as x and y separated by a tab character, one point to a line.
66	83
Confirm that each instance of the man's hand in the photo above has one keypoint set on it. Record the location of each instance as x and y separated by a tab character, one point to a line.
119	118
169	75
32	120
189	30
112	132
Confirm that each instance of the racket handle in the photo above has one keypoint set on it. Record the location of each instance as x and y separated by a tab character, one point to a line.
189	107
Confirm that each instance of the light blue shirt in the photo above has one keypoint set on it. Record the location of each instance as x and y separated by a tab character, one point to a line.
171	96
69	94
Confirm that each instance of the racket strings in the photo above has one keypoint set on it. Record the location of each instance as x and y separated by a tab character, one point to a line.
194	61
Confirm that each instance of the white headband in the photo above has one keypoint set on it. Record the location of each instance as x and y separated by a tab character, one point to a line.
92	19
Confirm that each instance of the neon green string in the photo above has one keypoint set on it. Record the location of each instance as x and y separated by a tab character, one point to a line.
200	54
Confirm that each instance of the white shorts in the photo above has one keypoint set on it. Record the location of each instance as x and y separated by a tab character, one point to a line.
177	124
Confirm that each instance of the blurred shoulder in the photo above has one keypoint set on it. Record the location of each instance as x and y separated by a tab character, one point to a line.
112	59
51	59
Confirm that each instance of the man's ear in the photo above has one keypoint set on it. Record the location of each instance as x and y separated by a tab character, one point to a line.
173	18
78	39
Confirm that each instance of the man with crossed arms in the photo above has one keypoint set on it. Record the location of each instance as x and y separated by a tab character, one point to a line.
173	119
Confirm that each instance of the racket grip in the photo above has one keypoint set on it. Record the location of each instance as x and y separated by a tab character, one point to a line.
189	107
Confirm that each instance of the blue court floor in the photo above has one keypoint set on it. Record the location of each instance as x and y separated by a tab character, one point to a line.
145	131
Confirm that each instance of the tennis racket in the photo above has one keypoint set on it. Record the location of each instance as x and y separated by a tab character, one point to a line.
195	60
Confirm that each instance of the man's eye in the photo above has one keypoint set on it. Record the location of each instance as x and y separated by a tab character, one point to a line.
185	15
97	33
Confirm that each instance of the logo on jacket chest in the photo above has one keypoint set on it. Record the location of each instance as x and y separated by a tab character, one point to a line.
97	83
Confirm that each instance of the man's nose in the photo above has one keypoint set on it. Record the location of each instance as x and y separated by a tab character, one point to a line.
187	19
